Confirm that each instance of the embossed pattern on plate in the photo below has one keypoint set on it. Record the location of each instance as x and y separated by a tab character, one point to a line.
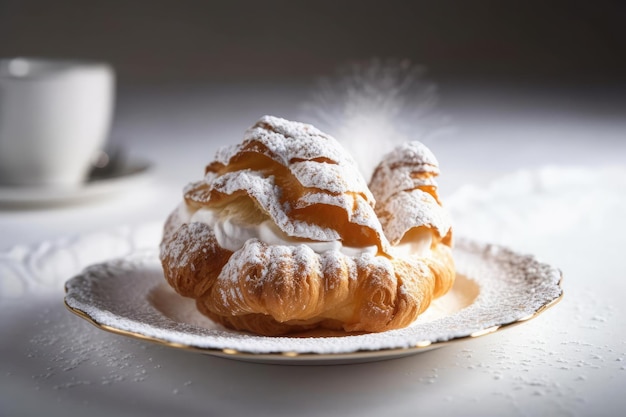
495	288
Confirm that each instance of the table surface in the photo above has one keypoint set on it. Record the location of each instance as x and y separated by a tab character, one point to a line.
542	171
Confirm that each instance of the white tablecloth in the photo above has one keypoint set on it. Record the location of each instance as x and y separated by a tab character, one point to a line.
546	177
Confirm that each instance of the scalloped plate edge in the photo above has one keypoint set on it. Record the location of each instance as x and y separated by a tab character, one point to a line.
303	358
291	357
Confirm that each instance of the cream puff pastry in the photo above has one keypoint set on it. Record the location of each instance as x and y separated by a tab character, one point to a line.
283	235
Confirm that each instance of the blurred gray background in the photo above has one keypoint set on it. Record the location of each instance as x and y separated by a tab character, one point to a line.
191	41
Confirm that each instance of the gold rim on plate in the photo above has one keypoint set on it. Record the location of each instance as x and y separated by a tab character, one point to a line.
391	352
541	288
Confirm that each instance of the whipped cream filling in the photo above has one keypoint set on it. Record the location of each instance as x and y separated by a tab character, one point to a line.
231	233
415	242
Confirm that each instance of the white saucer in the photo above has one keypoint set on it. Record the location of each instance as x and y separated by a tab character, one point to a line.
118	179
495	288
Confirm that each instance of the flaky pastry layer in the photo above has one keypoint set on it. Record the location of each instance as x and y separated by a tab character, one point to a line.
277	289
299	178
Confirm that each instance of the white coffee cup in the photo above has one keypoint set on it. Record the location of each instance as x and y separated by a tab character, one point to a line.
55	116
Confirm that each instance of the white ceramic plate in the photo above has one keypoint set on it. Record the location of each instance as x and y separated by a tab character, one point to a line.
120	178
495	288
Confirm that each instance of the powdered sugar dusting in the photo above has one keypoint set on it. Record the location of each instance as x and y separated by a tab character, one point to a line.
286	142
324	172
413	154
404	185
512	287
266	193
406	167
332	178
301	255
283	169
411	209
376	105
181	249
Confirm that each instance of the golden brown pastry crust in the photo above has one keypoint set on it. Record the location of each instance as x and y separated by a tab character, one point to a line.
278	289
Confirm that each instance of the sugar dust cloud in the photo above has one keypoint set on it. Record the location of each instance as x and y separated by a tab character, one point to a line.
371	107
